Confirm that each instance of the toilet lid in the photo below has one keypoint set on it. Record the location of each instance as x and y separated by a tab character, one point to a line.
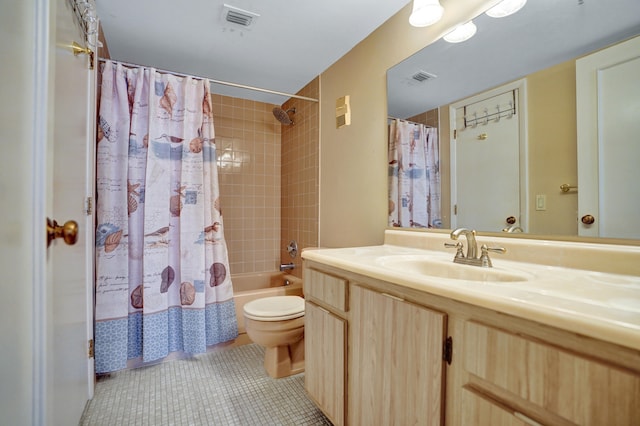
276	308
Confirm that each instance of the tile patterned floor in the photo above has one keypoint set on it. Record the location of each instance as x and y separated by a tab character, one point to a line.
229	387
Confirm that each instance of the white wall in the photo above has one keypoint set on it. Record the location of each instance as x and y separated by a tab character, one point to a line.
17	44
25	129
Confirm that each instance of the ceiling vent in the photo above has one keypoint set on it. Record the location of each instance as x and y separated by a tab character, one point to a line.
422	76
239	16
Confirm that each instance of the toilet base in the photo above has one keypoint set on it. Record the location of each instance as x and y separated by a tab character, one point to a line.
286	360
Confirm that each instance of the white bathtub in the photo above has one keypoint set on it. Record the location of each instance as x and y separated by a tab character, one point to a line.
248	287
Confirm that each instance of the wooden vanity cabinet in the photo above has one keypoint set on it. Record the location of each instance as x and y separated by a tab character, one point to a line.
543	383
374	356
325	356
393	354
396	374
478	409
325	341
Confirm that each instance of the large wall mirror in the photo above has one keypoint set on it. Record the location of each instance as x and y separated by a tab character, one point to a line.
537	51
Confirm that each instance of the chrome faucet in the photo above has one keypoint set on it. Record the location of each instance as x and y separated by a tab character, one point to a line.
287	266
472	245
472	249
512	228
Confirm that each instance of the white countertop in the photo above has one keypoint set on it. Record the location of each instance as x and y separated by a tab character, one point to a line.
604	306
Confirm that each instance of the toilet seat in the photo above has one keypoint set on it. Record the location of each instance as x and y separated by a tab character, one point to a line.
276	308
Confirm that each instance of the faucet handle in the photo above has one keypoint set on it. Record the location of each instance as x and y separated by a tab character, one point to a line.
484	256
457	246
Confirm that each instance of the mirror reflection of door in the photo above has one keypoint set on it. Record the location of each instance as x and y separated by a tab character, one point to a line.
485	162
608	118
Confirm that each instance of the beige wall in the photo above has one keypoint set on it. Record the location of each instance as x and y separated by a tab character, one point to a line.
353	159
551	112
300	165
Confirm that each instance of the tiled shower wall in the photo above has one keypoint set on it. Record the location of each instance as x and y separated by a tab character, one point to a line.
268	179
248	149
300	168
429	118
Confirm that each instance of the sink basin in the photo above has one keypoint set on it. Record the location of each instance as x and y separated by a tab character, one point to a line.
425	265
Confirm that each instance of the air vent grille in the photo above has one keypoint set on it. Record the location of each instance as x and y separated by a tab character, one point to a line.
422	76
238	16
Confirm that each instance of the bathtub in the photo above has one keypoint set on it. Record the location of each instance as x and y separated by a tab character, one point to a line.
248	287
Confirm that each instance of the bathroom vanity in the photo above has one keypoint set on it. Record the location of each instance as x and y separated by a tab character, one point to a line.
399	334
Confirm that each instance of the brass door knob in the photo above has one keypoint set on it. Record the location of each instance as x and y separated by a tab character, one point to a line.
511	220
588	219
68	232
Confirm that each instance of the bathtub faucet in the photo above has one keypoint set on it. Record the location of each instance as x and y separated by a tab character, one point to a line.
286	266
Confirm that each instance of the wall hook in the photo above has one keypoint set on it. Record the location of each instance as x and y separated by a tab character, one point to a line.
78	49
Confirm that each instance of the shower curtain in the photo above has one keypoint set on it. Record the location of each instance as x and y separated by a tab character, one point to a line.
162	269
414	176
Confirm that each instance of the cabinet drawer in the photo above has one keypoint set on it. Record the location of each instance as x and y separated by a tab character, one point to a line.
566	384
326	289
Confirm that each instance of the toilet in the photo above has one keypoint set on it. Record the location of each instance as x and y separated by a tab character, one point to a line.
277	324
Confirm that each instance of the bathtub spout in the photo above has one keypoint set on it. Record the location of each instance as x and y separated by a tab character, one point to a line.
286	266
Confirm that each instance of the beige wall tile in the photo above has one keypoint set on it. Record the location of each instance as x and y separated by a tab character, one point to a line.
300	174
242	129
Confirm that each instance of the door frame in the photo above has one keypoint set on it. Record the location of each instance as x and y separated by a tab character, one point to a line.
42	133
523	143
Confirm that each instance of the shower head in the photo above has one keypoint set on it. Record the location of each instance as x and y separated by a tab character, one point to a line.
283	116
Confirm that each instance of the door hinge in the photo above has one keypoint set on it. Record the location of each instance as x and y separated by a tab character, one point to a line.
88	206
455	209
455	133
447	350
91	349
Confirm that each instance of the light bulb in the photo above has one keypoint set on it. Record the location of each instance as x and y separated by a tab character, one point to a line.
506	8
425	13
461	33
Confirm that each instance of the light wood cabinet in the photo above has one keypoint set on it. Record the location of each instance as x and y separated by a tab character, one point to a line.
397	373
479	409
550	384
325	342
325	360
374	356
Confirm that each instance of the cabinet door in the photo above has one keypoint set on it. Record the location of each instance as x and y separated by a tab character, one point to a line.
325	361
396	372
571	386
478	411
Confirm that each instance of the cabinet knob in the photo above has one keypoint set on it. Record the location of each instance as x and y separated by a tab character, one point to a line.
511	220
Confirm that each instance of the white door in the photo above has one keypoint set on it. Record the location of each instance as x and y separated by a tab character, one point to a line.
485	162
608	118
70	267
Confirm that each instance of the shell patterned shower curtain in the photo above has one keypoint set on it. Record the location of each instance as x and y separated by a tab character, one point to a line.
414	176
162	269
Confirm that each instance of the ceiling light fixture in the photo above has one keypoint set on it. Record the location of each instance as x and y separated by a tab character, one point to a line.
506	8
461	33
425	13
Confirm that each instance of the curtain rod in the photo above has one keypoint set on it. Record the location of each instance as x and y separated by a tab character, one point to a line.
224	83
408	121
